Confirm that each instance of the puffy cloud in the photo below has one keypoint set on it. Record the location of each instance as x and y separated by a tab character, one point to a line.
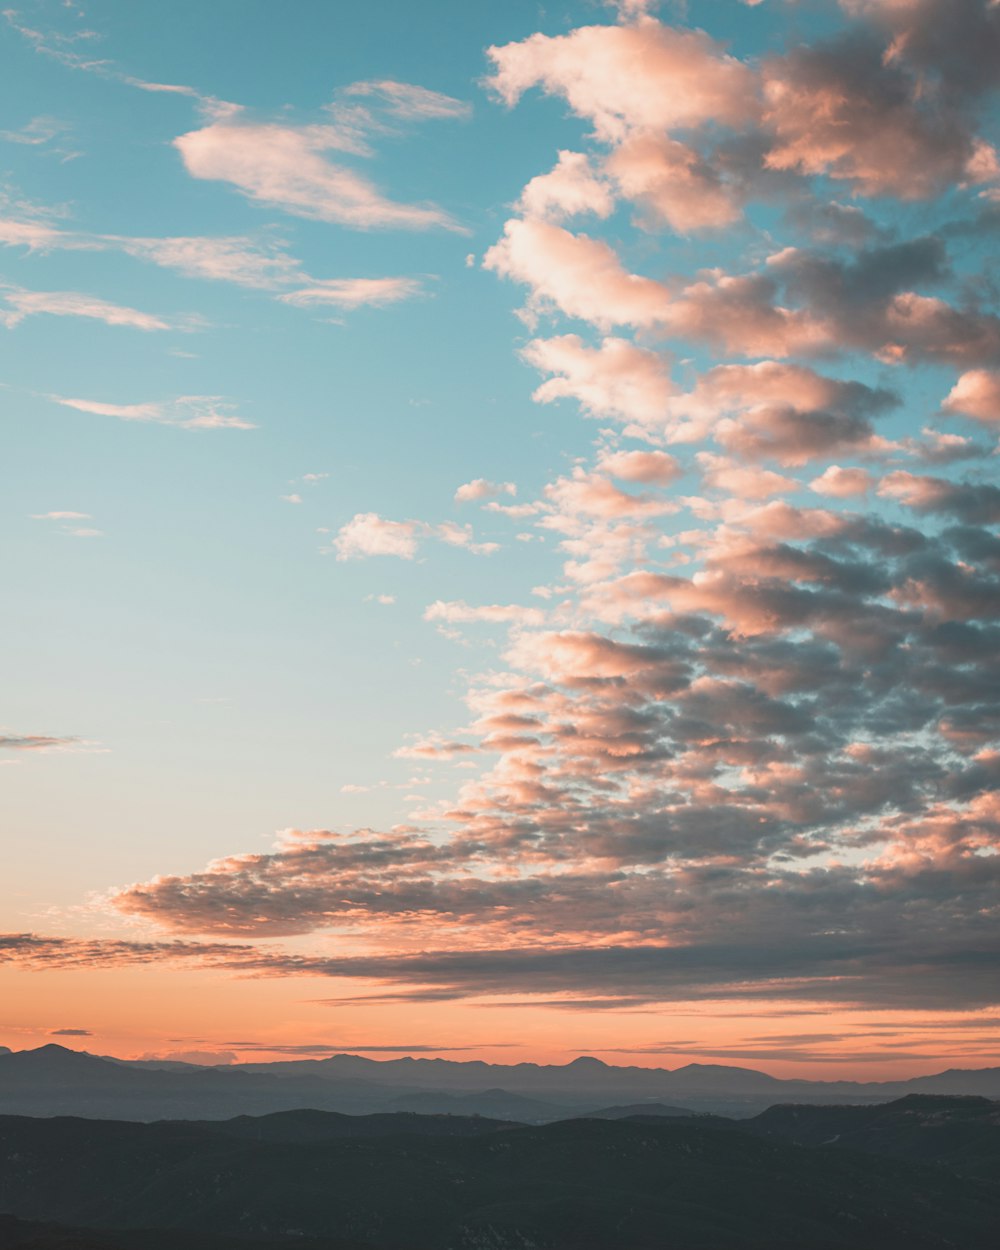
286	167
580	276
594	495
957	41
623	78
672	183
974	503
569	189
773	409
841	483
481	488
616	379
654	467
976	394
723	473
844	109
368	534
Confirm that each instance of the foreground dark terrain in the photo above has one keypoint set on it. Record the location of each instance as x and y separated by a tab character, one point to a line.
918	1172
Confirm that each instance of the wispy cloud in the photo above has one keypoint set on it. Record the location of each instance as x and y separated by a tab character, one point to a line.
187	412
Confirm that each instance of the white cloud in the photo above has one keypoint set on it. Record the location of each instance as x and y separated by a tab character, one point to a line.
353	292
482	488
410	102
22	304
457	611
188	412
368	534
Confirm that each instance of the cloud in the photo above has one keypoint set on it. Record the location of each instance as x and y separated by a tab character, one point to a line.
787	412
656	468
616	379
459	612
286	167
569	189
842	483
846	109
350	293
624	78
580	276
368	534
203	1058
187	412
481	488
976	394
22	303
248	262
33	742
673	184
409	101
70	1033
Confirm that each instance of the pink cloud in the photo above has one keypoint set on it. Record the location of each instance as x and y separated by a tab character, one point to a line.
841	483
617	379
594	495
653	467
350	293
482	488
745	481
569	189
672	183
285	166
976	394
21	304
582	277
621	78
368	534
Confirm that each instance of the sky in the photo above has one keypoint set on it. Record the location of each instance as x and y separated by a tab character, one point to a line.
500	531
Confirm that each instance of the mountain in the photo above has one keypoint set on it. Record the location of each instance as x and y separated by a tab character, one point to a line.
573	1185
635	1110
55	1081
315	1126
960	1133
984	1082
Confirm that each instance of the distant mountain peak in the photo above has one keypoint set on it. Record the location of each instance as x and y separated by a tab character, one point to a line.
586	1061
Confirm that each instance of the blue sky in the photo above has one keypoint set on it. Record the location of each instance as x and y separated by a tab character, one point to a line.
275	288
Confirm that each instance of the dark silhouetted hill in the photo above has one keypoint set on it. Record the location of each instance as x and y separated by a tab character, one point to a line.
588	1184
960	1133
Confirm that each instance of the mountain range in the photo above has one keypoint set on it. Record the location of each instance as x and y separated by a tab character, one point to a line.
53	1080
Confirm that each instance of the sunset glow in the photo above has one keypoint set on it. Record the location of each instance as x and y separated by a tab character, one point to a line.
501	532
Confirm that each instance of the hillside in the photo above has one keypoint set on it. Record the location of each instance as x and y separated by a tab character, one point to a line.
574	1185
